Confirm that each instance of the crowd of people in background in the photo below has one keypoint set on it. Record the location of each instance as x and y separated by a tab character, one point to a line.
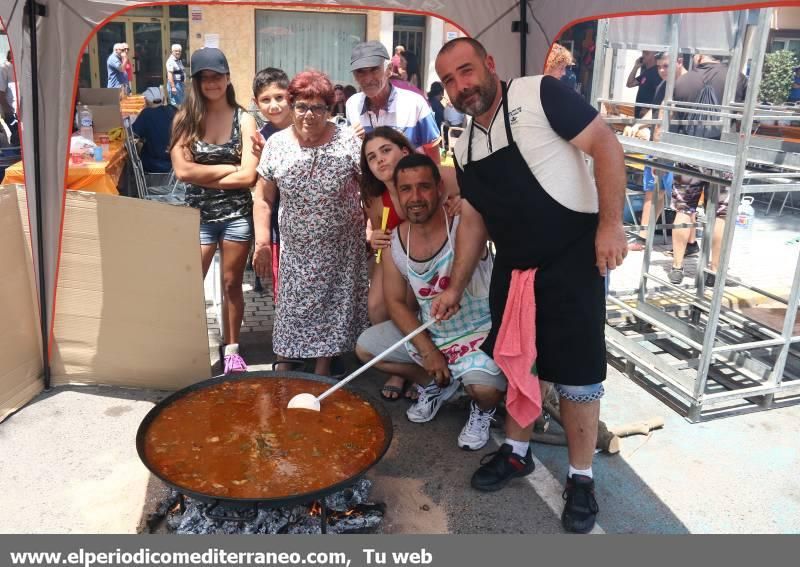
704	83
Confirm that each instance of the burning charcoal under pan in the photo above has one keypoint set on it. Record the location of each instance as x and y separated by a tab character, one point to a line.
348	511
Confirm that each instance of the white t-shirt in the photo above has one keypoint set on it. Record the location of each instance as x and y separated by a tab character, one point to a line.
175	66
544	114
405	111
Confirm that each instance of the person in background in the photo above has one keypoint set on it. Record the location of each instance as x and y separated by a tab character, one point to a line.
154	126
115	65
271	95
453	118
212	153
7	106
646	81
686	189
338	108
128	66
435	95
794	93
637	243
398	70
383	102
411	67
349	90
557	61
176	76
663	65
323	284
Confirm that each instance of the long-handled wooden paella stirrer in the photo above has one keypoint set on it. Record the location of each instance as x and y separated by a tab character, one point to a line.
311	402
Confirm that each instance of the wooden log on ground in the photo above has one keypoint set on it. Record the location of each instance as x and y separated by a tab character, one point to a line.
607	439
639	428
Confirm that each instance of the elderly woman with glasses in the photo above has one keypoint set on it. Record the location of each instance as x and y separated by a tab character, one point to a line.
322	282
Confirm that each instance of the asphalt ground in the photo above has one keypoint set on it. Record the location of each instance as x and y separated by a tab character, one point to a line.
69	465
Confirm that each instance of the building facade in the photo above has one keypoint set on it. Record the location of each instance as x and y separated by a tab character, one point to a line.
254	37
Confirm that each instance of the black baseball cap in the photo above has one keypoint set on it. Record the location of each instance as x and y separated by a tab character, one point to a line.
209	59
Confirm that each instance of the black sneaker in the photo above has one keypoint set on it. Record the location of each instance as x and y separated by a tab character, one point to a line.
580	508
675	275
499	467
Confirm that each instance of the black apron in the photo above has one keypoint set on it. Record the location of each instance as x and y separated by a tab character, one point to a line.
530	229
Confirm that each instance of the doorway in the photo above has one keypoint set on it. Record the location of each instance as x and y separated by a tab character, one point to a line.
148	54
144	37
409	31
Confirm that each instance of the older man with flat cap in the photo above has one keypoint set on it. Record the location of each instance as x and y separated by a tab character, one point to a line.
385	102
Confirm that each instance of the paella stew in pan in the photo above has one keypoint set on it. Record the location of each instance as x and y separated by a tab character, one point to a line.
236	439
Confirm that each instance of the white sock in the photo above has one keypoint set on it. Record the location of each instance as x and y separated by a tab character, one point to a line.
519	448
584	472
232	348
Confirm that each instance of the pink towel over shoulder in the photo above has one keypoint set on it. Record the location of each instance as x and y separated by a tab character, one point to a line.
515	349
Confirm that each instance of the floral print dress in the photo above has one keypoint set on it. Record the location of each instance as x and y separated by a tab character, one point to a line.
322	281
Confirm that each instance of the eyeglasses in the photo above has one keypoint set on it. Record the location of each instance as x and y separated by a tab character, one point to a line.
316	109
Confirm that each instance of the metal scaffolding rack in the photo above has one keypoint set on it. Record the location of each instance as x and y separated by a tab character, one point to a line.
698	355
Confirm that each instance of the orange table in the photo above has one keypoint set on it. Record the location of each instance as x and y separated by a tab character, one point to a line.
96	176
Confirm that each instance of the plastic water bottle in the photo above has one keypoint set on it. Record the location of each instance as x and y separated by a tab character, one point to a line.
701	221
744	229
746	214
87	131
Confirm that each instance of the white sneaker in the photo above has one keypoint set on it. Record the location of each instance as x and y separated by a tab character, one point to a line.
430	400
475	432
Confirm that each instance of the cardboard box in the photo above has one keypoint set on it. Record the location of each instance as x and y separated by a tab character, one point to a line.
104	105
130	312
20	344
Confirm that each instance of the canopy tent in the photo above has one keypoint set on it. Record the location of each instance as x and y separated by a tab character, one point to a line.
64	27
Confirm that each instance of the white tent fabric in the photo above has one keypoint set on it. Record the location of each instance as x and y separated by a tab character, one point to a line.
68	25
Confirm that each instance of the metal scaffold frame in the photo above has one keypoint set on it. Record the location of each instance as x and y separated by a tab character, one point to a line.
702	357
